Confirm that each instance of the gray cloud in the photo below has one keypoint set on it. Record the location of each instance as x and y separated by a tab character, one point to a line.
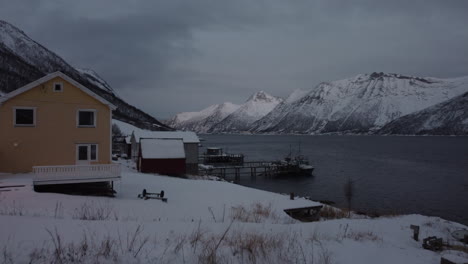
172	56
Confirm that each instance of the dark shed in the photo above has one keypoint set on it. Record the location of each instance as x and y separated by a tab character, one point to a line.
162	156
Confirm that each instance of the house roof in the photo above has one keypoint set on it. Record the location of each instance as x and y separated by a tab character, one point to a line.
49	77
128	129
162	149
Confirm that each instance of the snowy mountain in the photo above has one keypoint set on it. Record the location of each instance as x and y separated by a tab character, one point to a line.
447	118
23	60
202	121
361	104
96	79
256	107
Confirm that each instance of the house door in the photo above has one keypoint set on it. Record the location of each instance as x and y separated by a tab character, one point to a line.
85	153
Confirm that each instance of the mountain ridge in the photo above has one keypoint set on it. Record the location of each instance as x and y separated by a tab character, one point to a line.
203	120
257	106
361	104
449	117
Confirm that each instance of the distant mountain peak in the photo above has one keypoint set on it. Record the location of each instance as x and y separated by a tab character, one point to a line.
262	96
382	76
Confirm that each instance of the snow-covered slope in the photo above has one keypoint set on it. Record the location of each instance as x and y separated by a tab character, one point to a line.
27	49
447	118
202	222
23	60
96	79
202	121
256	107
360	104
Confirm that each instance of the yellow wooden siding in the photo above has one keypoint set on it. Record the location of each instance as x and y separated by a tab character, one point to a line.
53	139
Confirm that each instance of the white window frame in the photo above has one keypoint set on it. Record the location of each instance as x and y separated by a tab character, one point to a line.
86	110
61	87
24	108
88	145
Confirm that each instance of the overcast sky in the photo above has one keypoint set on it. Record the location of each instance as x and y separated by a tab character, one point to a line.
169	56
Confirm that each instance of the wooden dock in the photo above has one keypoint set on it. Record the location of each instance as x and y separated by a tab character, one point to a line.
254	169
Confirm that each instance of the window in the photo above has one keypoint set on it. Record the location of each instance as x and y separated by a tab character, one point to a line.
86	152
24	116
82	152
58	87
86	118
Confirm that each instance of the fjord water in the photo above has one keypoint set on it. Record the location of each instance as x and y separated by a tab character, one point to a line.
391	174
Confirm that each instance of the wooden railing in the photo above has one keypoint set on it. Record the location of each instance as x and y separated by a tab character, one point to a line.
76	173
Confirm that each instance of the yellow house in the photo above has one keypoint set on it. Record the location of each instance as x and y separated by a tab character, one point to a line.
58	129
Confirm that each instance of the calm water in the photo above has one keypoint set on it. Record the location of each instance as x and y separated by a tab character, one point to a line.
427	175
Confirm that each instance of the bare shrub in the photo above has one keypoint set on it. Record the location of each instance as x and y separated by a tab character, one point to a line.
95	211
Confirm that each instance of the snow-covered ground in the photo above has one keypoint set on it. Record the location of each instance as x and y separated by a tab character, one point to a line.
202	222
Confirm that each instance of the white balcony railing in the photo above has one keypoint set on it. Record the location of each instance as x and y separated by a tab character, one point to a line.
75	173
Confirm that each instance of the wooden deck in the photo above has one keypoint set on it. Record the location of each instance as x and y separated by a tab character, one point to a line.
305	214
67	174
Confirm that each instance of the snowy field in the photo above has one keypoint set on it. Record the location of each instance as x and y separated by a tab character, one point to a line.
203	222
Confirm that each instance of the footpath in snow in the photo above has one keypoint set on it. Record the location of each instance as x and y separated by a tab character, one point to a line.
203	222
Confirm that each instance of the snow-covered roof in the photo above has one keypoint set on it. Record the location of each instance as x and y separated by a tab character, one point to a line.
128	129
162	149
48	77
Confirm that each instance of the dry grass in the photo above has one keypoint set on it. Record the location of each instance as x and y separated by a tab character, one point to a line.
364	236
257	213
90	249
329	212
95	211
12	209
135	246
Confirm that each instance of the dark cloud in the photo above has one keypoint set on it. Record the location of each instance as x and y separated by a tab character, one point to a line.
172	56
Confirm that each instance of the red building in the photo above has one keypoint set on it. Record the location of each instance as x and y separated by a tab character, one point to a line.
162	156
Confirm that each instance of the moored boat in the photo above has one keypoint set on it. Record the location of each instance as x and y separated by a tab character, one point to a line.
296	166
